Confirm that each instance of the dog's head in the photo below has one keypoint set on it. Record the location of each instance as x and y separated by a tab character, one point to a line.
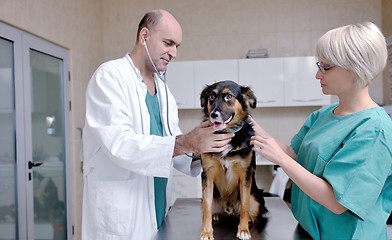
226	104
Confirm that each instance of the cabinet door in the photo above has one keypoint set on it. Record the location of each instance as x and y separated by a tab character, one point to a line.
212	71
180	79
265	78
301	86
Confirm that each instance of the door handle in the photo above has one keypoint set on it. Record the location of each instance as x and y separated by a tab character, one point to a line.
33	164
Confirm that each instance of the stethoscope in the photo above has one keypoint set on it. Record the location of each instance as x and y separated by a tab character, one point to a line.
159	74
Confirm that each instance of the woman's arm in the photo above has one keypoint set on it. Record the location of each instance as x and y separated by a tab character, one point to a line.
315	187
261	132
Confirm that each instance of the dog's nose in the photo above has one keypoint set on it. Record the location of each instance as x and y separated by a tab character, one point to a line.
215	115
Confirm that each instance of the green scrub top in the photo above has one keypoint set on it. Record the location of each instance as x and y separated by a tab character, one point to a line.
354	154
159	183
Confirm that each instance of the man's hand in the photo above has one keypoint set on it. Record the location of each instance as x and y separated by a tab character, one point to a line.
202	140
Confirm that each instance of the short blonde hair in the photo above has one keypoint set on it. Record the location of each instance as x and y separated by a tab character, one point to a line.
359	48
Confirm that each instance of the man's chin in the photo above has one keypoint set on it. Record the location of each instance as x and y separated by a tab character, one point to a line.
162	68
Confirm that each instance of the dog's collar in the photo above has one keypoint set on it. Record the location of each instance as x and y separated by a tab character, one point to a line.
236	129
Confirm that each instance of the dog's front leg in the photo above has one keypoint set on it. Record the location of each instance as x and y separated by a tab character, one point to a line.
243	227
208	189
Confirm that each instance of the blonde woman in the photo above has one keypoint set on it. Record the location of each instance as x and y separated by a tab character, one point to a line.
340	161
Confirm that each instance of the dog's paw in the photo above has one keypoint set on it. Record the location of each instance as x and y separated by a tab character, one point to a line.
206	236
243	234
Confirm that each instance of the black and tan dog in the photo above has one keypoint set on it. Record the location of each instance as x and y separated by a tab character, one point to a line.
228	181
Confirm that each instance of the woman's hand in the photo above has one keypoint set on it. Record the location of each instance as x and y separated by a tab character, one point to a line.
275	145
315	187
269	148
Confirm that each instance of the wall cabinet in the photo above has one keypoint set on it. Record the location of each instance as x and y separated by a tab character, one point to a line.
276	82
265	77
187	79
209	72
301	86
181	81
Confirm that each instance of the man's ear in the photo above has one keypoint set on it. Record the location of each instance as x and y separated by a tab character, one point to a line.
249	98
143	34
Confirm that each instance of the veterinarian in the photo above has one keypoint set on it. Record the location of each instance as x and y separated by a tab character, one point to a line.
340	161
132	140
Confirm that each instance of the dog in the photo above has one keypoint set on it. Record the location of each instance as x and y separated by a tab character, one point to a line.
228	178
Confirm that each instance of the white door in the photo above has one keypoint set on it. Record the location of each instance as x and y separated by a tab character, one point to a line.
34	149
8	150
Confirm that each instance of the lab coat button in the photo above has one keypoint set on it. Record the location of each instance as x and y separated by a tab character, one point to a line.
154	223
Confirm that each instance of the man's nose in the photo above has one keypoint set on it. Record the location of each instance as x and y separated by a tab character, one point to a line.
173	52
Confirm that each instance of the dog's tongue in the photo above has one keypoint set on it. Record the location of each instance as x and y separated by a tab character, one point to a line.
221	125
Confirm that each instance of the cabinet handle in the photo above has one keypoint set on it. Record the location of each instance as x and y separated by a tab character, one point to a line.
268	101
308	100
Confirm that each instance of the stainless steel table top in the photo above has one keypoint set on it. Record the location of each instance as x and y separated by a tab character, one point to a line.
184	221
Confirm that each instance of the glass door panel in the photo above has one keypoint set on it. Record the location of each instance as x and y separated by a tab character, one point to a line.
8	211
48	145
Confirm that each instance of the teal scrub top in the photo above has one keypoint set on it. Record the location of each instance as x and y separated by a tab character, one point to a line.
159	183
354	154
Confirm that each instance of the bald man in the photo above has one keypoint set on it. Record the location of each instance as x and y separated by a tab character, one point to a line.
131	138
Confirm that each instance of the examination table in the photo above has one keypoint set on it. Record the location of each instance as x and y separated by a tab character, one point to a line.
184	222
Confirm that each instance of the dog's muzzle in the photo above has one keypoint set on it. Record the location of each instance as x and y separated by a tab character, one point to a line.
218	121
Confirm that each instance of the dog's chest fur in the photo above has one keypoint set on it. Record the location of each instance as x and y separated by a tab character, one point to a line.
230	166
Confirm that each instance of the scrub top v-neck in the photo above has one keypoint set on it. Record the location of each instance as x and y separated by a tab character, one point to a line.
159	183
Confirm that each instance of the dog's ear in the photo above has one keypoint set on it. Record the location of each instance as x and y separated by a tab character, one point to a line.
249	97
204	97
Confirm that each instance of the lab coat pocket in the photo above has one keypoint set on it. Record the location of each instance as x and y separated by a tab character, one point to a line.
113	203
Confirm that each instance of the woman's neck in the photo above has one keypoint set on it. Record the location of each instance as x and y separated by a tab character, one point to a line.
355	101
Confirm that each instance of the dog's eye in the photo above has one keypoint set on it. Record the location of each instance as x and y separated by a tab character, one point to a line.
212	98
228	97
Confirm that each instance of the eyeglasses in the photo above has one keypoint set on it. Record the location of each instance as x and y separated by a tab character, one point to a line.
324	68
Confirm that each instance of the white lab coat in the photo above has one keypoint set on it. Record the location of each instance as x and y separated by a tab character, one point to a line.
121	158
